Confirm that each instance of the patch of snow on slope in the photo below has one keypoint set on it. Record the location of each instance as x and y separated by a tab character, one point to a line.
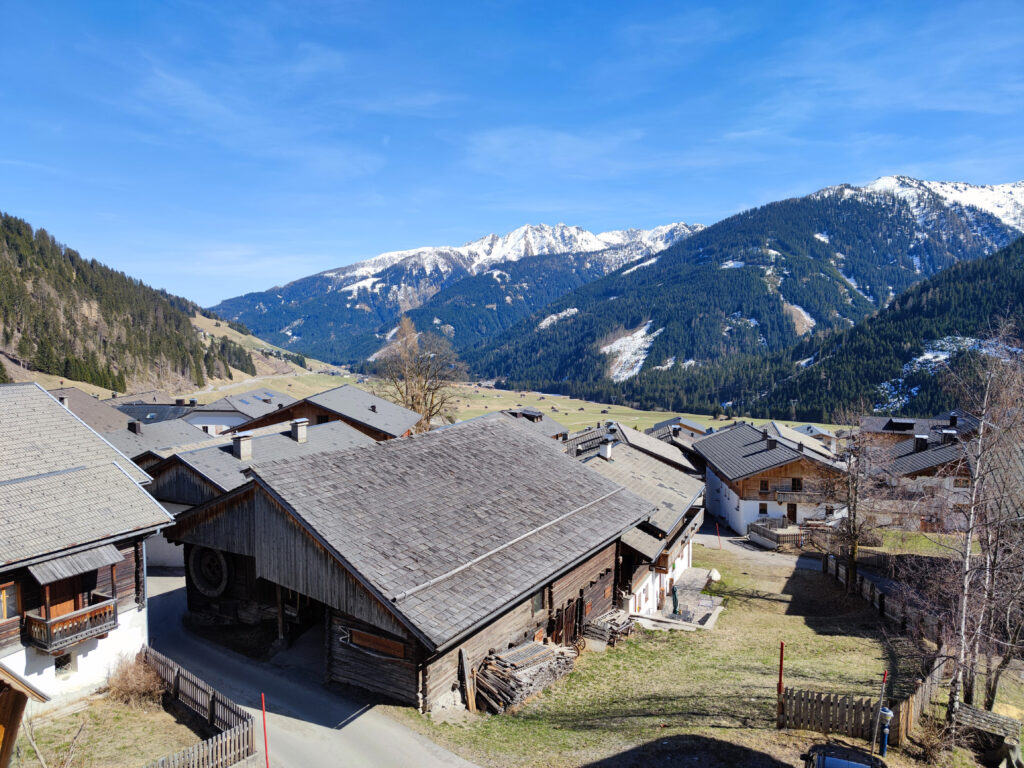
666	365
550	320
642	264
391	333
1003	201
821	236
354	288
630	352
498	275
732	264
853	284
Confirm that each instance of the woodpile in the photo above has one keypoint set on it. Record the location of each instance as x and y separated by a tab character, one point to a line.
609	627
508	679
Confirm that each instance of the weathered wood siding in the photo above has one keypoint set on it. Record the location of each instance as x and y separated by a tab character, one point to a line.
569	586
394	673
815	479
180	484
286	554
519	624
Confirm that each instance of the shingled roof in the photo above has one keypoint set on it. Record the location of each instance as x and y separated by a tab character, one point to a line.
98	414
250	404
217	463
909	426
455	526
906	459
366	408
161	435
741	451
62	485
672	490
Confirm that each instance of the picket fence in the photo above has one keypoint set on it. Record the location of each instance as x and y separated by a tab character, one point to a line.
827	713
234	743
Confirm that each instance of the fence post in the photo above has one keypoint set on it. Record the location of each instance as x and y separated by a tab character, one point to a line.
211	715
176	685
881	603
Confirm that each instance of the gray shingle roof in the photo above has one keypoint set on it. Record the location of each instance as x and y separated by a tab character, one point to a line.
905	460
250	404
456	525
151	414
157	436
218	464
740	451
61	484
672	490
644	543
909	426
663	428
651	445
540	421
356	403
98	414
799	438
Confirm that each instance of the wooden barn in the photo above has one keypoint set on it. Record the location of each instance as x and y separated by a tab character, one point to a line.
408	553
373	416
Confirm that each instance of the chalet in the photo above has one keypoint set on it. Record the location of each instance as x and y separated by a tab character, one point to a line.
373	416
925	483
755	473
655	553
408	553
886	431
233	410
98	414
74	515
676	426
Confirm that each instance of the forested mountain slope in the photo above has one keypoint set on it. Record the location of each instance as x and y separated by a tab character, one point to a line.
712	311
73	317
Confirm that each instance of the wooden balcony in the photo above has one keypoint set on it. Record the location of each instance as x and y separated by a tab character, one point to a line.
60	632
800	497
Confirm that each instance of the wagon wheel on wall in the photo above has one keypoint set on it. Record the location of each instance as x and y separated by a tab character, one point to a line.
209	571
579	644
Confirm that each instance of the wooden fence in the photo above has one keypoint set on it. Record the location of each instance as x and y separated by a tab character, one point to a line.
234	743
827	713
772	535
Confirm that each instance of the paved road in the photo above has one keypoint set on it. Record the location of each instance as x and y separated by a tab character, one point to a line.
308	725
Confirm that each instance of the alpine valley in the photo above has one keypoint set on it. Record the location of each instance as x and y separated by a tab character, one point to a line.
681	316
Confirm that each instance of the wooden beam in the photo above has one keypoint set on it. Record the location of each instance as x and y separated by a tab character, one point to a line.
280	614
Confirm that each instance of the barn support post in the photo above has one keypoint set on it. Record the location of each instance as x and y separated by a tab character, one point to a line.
280	614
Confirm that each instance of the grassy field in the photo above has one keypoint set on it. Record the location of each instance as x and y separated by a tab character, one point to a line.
115	736
917	543
710	694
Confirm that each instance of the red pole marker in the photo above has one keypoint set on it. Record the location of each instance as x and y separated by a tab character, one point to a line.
266	746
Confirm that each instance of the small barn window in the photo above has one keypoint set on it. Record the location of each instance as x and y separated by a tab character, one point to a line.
537	602
797	484
762	486
322	418
9	601
762	508
64	665
961	482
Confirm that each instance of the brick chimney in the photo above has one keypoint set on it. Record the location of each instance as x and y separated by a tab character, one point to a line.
241	446
179	401
135	427
299	430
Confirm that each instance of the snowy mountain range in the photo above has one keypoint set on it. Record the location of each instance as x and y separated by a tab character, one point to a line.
350	306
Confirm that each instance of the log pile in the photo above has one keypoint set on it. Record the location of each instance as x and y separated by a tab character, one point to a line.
508	679
609	627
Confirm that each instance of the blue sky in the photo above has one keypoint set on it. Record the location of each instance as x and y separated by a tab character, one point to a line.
218	148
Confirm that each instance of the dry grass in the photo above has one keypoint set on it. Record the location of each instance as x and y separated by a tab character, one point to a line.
114	736
709	695
135	684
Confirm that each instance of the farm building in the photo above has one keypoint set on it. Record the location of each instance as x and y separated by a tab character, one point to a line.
409	553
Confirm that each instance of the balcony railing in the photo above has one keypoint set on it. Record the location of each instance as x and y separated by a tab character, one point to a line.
804	497
55	634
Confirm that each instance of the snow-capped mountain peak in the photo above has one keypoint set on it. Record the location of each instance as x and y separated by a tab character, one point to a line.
1003	201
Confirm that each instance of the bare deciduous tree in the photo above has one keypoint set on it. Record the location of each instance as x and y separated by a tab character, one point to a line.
416	371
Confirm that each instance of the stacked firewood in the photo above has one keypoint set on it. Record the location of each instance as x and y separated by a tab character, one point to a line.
609	627
502	683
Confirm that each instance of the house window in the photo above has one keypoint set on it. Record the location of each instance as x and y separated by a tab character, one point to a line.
961	482
791	512
797	484
537	603
9	601
763	486
322	418
829	510
762	508
64	665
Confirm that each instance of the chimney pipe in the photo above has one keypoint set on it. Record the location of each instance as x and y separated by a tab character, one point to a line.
63	400
299	430
605	451
772	442
764	434
952	419
948	436
241	446
179	401
800	447
920	443
193	402
135	427
373	407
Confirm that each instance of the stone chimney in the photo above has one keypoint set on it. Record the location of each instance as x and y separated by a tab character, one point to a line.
920	443
241	446
179	401
299	430
135	427
605	449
